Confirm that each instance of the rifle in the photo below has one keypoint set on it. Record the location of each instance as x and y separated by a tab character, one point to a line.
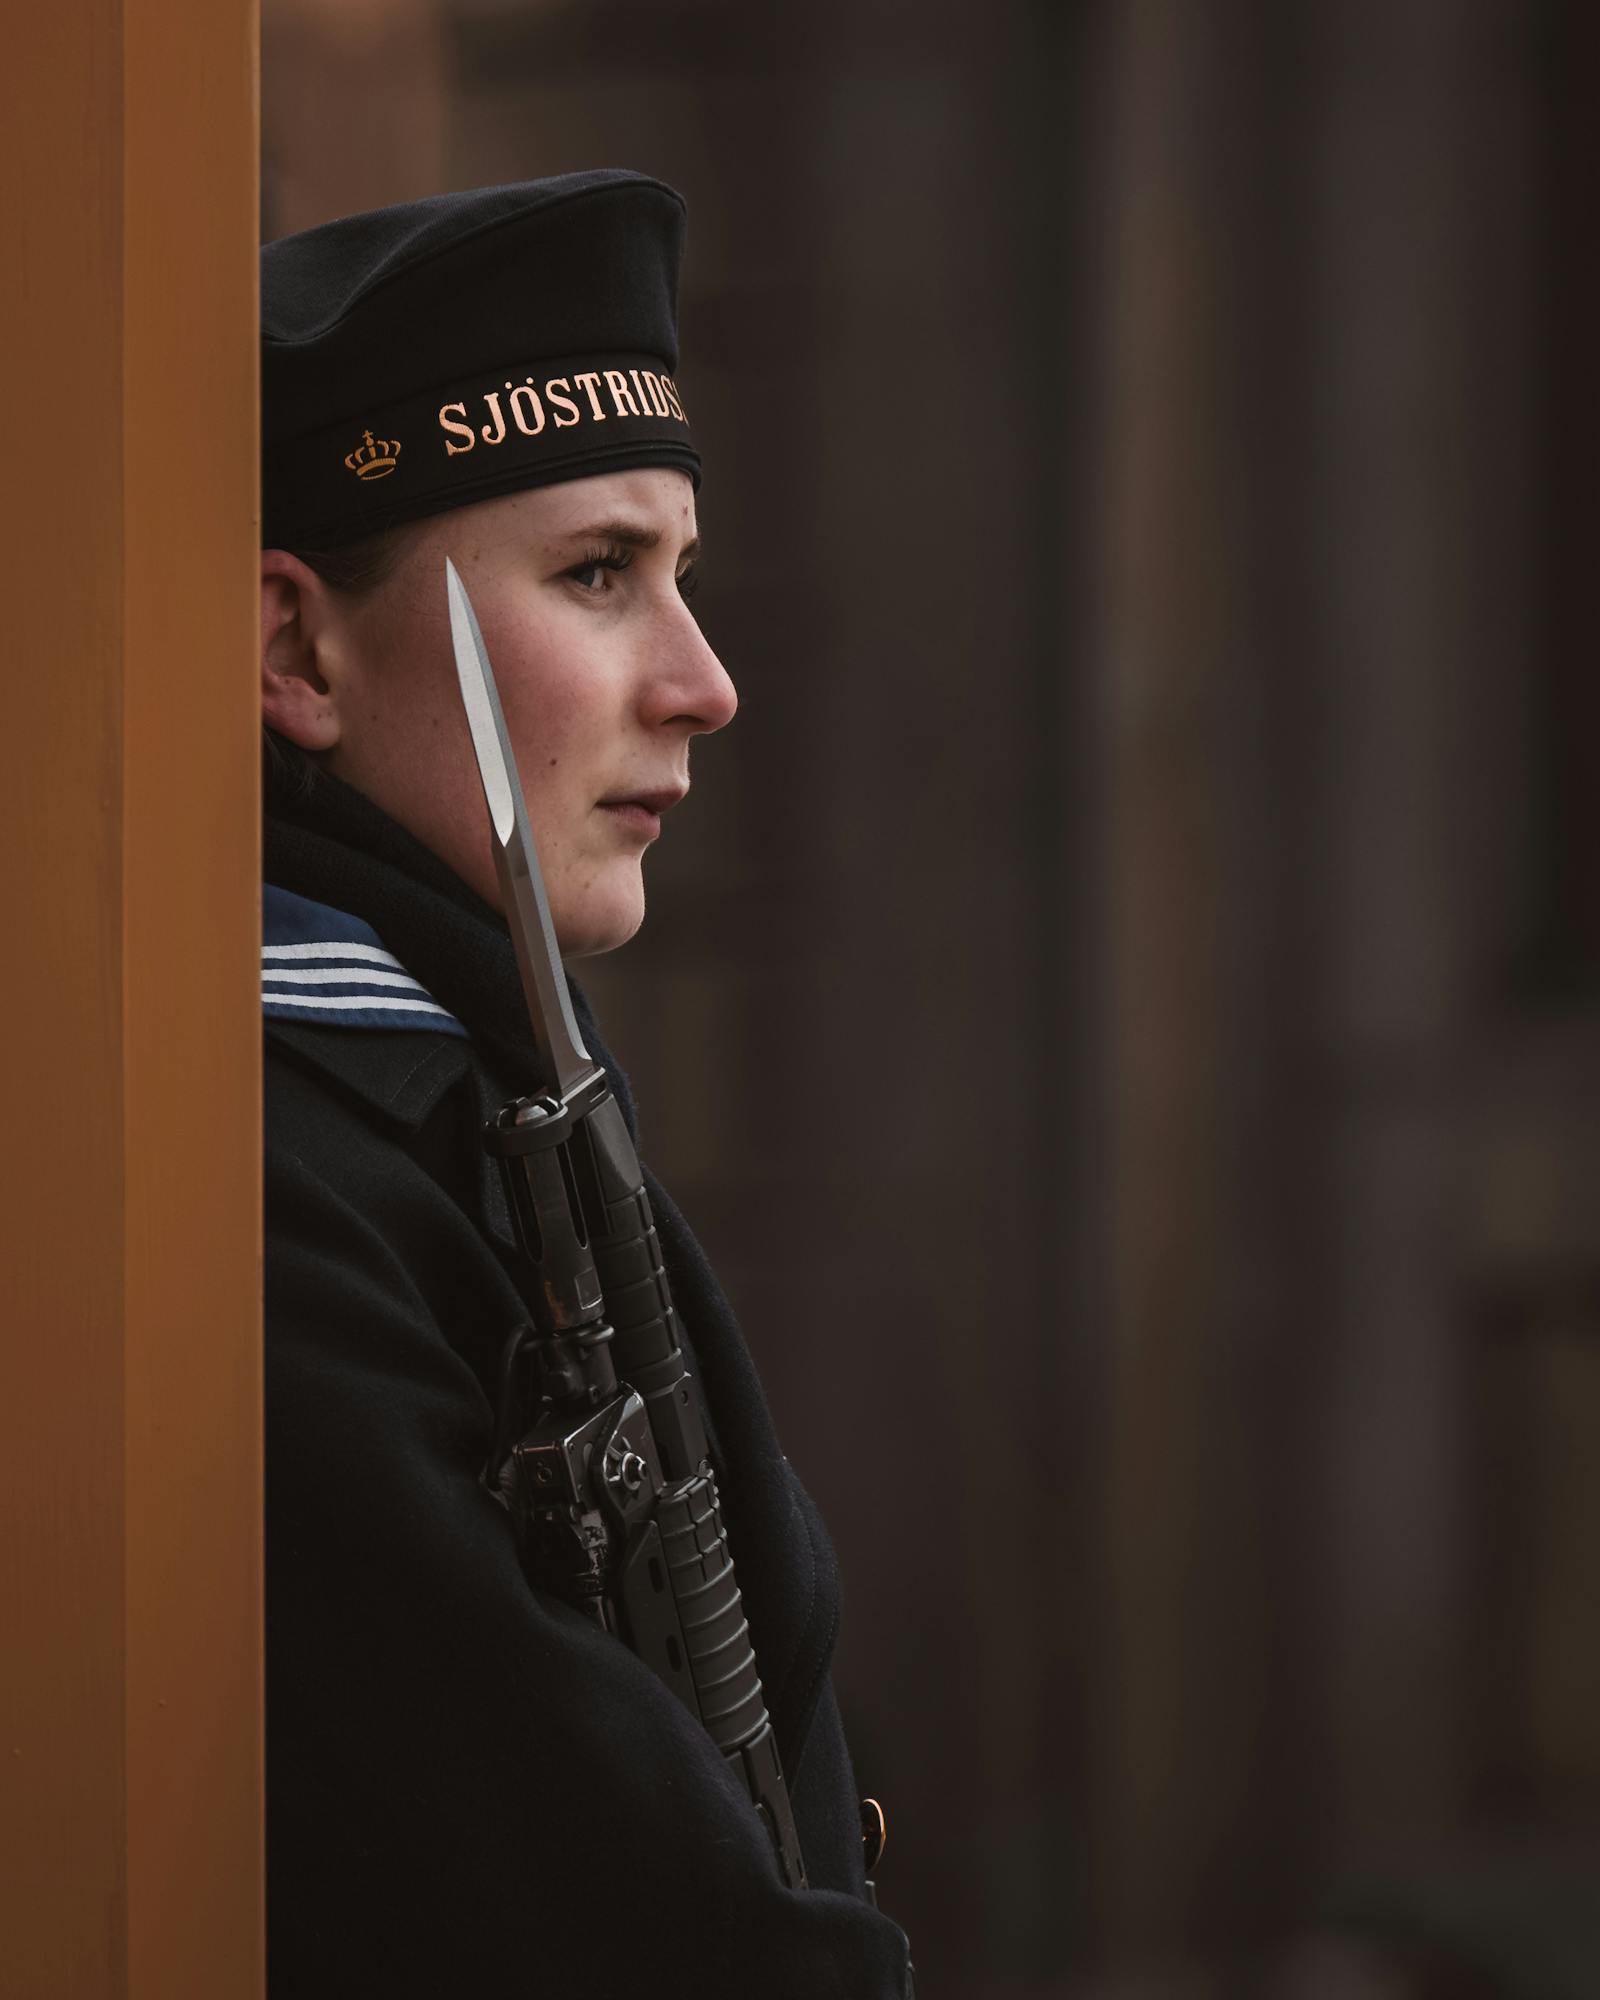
599	1449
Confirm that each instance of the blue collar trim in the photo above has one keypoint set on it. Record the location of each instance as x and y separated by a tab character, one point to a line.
331	970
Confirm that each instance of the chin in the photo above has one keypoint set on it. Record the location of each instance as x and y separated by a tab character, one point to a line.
599	923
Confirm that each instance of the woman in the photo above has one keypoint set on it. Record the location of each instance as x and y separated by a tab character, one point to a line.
469	1783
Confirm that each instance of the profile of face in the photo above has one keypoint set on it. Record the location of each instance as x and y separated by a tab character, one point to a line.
604	677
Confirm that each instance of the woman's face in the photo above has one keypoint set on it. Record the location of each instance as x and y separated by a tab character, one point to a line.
604	676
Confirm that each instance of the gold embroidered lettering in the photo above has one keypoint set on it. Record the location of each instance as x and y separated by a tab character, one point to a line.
535	406
658	401
461	430
493	400
671	389
561	403
621	394
587	382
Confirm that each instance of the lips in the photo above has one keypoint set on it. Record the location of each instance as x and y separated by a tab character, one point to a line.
655	803
638	814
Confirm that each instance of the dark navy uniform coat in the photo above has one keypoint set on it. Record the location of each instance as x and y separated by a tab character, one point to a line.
472	1790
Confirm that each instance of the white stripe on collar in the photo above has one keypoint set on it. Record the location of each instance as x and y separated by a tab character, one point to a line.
375	953
308	944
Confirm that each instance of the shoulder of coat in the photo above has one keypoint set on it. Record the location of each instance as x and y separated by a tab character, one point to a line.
338	1002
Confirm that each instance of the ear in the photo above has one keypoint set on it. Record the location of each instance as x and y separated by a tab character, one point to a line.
296	698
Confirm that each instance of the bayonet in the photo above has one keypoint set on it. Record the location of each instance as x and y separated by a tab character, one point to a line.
527	908
599	1449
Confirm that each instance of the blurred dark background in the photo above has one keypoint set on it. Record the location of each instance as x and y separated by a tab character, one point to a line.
1123	1010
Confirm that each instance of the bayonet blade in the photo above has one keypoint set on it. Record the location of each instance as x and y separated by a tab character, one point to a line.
516	859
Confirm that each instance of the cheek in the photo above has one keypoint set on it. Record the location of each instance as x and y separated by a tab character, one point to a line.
547	733
560	696
407	689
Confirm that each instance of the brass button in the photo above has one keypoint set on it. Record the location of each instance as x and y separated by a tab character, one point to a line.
874	1832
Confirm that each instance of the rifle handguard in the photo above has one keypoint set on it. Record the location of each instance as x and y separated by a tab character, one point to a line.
583	1221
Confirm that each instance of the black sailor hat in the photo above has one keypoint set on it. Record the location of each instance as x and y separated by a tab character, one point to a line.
420	357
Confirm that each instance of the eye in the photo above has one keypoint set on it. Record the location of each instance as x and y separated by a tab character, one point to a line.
590	574
688	582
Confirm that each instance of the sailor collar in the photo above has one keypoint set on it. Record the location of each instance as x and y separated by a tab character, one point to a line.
324	968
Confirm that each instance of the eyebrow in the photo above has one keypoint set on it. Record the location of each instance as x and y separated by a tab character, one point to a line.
631	534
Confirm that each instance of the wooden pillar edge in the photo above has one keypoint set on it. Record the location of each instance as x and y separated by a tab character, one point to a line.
62	1859
130	1795
192	1002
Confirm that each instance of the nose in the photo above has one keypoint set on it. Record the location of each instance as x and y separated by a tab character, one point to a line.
689	684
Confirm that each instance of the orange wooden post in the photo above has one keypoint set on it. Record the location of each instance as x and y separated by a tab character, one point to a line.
130	1463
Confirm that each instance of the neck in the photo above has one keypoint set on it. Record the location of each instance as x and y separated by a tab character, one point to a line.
333	845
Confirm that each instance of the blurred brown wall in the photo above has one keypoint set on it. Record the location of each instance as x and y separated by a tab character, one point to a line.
1123	1007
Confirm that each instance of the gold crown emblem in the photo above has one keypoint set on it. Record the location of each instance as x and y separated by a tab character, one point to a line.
375	458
